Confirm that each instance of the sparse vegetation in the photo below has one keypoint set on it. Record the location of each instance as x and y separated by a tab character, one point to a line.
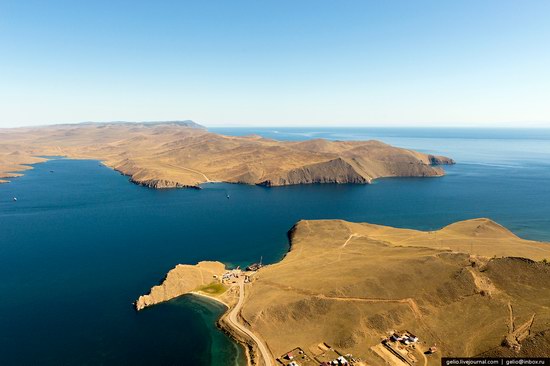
214	288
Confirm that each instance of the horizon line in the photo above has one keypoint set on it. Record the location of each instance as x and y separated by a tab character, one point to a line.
505	125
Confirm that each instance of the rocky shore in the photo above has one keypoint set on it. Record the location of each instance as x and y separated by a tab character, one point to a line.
198	280
181	280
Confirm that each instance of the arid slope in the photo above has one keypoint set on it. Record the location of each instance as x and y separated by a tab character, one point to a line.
349	284
181	154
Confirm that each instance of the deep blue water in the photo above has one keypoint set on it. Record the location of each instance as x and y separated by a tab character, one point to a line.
82	243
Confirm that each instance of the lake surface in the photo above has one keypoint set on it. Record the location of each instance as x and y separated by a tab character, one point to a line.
82	243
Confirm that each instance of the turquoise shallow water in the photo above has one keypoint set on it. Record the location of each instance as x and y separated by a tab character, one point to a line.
82	243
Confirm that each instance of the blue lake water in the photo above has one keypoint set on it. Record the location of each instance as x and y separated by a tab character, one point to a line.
82	243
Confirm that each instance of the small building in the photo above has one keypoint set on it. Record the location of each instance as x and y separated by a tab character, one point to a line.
412	338
254	267
342	360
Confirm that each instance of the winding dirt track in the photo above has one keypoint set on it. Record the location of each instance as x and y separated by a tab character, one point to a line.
208	180
233	320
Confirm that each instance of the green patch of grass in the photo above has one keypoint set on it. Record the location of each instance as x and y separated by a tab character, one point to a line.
215	288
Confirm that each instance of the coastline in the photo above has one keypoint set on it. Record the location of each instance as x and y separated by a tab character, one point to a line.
228	289
187	152
223	324
203	295
160	183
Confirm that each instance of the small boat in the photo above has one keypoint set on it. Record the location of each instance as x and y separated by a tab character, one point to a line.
14	199
227	196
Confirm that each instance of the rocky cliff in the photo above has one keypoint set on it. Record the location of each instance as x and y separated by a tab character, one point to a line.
181	280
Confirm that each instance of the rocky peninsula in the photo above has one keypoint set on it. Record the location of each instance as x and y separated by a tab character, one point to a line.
346	287
181	280
178	154
213	281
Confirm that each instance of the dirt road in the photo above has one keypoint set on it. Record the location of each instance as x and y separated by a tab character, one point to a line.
233	320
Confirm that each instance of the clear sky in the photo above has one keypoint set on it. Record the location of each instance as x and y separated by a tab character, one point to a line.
277	62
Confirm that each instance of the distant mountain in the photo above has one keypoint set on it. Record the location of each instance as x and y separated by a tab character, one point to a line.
184	123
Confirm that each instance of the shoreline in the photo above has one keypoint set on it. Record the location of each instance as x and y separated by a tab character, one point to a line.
162	184
229	329
192	280
203	295
186	279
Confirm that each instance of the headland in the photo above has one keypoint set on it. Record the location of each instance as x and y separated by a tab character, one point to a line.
177	154
376	295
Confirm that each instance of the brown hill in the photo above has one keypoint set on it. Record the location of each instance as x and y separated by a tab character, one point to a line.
478	236
180	154
350	284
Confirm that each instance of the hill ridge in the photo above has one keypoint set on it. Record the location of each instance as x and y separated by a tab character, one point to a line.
179	154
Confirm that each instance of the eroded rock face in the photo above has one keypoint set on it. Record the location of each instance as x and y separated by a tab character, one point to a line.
181	280
440	160
332	171
160	184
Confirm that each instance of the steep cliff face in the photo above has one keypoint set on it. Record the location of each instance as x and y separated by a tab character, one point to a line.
161	183
332	171
357	165
181	280
440	160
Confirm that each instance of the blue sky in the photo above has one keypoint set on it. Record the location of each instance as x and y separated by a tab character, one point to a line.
277	63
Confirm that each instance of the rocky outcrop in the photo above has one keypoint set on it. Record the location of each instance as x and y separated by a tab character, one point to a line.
358	170
332	171
181	280
160	183
440	160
